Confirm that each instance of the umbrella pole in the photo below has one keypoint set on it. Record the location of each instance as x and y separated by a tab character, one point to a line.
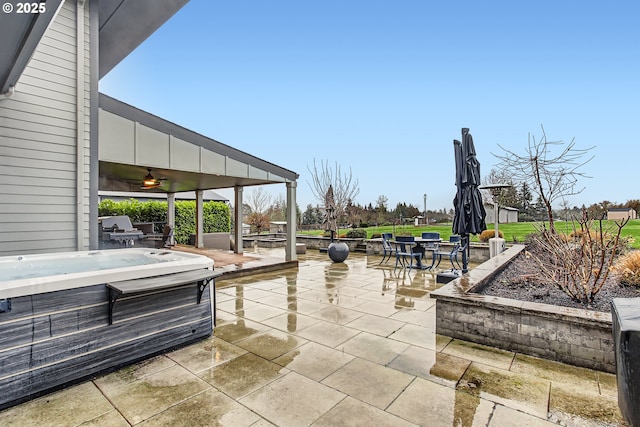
465	253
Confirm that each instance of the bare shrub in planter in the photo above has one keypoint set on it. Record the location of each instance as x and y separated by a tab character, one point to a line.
579	267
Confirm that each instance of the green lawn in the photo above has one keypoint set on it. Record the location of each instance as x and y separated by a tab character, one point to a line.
513	232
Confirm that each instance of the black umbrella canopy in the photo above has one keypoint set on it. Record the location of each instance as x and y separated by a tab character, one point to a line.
469	210
458	218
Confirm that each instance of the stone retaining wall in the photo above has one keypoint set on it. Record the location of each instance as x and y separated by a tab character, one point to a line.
213	240
320	242
577	337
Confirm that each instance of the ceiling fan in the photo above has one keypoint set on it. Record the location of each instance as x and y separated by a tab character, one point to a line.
150	182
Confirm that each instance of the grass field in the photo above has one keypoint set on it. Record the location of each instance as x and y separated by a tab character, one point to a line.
512	232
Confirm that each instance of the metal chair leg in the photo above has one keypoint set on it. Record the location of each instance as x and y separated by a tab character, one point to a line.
438	262
454	262
397	259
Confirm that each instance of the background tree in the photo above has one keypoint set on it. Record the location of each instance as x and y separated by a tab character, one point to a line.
259	221
258	200
508	196
599	210
538	210
550	176
345	188
311	215
524	203
382	205
405	212
633	204
277	211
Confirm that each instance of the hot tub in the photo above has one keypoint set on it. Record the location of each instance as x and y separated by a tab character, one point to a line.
36	274
59	324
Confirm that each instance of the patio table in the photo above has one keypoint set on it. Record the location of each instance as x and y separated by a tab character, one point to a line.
420	242
424	242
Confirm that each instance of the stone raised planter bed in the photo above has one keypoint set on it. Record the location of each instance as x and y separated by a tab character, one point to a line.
569	335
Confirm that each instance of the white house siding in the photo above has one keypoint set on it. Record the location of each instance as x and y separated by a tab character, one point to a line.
38	146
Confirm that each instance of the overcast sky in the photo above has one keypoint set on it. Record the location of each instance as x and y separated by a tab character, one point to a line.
384	86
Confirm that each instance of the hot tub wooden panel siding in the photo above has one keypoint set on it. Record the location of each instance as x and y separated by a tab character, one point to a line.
62	337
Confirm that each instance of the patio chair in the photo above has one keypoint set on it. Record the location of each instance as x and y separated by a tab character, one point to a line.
431	246
167	237
452	254
387	248
403	251
164	241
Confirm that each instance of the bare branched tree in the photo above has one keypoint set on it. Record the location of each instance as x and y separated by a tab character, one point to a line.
259	201
551	177
345	188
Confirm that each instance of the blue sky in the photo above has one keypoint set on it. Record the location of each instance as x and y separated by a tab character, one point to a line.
385	86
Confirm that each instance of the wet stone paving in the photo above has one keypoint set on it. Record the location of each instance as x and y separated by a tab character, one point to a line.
324	344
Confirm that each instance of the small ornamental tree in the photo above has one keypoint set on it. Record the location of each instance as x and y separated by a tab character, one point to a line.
550	176
259	221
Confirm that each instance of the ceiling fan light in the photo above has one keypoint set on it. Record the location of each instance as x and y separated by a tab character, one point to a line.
149	181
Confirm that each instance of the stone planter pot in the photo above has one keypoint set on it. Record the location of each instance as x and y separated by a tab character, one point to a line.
338	251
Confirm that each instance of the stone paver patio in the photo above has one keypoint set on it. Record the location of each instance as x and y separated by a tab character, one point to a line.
324	344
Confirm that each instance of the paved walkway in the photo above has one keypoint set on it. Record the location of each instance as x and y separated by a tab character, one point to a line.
325	344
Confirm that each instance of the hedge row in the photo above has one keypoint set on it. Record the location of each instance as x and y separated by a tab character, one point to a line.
216	215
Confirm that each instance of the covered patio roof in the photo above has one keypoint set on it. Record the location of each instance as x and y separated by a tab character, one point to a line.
132	140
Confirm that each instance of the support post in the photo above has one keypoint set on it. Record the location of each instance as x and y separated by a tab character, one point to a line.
237	216
199	219
171	214
290	248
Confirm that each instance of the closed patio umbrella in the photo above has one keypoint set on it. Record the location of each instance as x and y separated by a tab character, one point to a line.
469	210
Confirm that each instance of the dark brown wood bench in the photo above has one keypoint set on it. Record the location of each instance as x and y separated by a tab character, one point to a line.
146	285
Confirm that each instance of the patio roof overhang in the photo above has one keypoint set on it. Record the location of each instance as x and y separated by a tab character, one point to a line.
123	26
20	34
132	140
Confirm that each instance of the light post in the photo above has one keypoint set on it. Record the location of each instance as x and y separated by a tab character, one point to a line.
496	244
426	220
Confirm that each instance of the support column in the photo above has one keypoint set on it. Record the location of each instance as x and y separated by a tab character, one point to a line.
199	219
171	214
237	218
290	248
